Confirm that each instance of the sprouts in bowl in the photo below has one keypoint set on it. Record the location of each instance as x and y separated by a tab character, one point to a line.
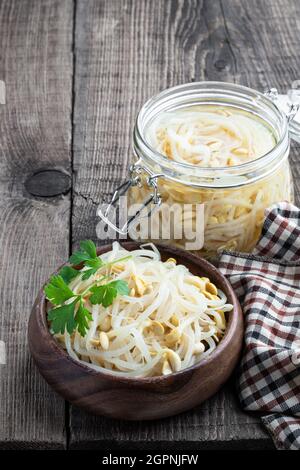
162	346
167	320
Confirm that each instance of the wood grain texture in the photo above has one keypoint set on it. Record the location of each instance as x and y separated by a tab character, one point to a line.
35	130
125	53
216	424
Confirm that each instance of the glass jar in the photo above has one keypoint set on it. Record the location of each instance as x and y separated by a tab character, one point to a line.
234	198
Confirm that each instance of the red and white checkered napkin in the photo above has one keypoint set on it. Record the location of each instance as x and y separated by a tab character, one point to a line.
268	285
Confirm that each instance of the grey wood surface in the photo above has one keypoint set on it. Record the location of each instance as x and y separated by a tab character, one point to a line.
35	133
76	74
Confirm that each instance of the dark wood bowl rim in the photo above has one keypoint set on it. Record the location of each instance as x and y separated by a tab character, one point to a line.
229	333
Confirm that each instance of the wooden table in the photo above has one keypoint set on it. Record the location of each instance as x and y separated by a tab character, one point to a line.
76	73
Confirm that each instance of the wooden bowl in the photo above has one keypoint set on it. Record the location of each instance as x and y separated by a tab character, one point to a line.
139	398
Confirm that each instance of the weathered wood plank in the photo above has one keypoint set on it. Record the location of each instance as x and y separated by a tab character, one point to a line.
35	129
216	424
264	39
124	54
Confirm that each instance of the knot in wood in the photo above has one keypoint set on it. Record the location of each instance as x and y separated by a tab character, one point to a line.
48	183
220	64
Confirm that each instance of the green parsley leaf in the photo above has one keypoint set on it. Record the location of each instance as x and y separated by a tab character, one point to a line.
94	265
87	251
106	293
57	291
89	247
121	286
88	256
68	273
62	318
82	317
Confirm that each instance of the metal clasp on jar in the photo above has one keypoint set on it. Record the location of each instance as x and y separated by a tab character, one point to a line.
152	203
293	95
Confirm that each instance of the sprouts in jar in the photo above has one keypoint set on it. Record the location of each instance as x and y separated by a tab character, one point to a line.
212	136
218	144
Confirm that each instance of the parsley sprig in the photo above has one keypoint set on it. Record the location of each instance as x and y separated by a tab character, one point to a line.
88	255
69	312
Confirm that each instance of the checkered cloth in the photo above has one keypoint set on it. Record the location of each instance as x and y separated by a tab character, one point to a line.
268	285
